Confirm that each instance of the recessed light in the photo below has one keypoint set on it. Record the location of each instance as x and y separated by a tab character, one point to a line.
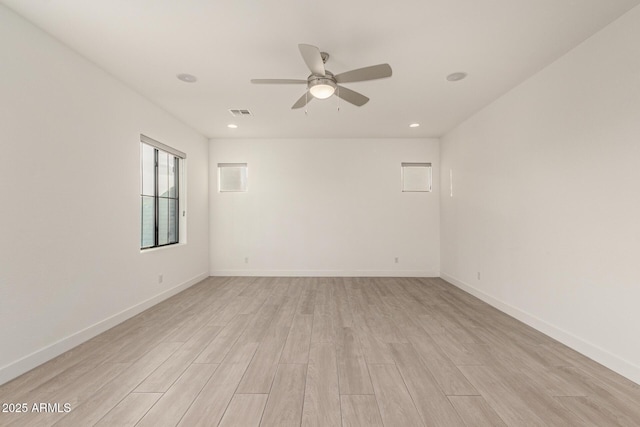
232	126
414	125
187	78
454	77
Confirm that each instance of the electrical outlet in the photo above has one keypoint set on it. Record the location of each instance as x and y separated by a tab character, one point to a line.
246	260
478	275
397	259
160	278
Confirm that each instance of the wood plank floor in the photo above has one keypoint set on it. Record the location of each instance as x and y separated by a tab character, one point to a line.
322	352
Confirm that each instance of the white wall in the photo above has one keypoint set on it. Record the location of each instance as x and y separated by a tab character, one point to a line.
546	201
324	207
70	264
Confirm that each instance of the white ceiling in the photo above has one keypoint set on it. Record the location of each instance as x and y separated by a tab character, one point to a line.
225	43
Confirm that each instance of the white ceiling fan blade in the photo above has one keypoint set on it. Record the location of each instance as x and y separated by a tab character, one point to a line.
373	72
278	81
304	100
312	58
351	96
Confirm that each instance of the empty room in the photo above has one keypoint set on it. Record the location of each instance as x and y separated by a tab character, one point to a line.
294	213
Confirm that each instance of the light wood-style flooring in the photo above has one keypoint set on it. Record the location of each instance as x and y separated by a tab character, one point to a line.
324	352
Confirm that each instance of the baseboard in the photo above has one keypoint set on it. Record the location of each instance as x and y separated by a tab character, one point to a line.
19	367
590	350
327	273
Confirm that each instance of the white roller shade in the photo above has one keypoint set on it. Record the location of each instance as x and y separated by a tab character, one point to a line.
161	146
416	177
232	177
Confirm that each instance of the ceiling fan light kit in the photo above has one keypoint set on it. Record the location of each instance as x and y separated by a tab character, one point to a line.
322	84
322	87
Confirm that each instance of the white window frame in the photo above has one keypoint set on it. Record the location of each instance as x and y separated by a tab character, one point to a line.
405	182
244	183
181	190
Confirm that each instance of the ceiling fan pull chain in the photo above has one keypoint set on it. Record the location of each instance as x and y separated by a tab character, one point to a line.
306	102
338	98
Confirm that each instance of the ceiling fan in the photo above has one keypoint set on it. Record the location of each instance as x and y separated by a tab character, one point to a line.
322	83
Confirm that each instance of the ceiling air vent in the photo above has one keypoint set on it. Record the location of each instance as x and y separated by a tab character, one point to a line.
240	113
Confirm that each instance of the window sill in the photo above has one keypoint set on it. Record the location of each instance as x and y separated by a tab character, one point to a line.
161	248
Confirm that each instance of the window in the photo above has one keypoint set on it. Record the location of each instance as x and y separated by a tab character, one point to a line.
232	177
416	177
160	193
